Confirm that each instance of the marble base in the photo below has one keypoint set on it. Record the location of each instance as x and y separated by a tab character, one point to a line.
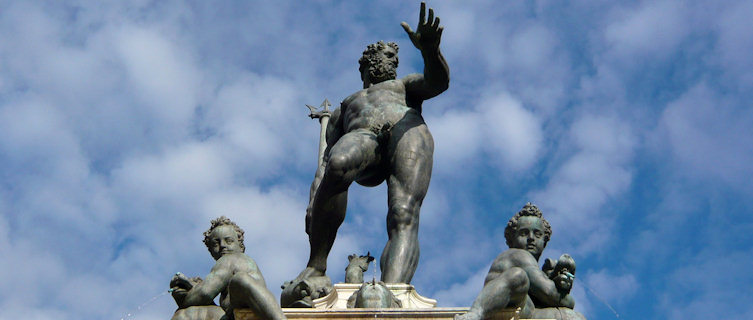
360	314
371	314
405	293
334	307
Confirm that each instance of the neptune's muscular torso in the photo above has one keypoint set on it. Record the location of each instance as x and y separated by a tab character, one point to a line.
378	108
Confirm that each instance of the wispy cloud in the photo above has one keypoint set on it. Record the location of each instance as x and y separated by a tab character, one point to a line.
125	127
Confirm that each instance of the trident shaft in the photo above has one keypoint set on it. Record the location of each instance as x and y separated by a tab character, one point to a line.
323	115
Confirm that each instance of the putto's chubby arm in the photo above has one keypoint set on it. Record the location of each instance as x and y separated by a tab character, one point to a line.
499	265
204	293
436	76
541	288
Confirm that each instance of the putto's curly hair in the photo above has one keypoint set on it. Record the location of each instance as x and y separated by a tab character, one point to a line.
529	210
224	221
370	58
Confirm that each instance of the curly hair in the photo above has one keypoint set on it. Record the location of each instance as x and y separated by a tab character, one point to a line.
370	58
529	210
224	221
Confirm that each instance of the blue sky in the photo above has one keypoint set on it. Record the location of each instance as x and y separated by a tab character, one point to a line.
126	126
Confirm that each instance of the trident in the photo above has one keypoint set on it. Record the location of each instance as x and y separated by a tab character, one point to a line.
323	116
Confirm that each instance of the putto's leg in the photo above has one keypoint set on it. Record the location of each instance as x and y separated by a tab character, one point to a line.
248	292
410	155
509	289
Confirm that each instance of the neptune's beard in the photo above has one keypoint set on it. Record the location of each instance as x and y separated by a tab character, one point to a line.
382	71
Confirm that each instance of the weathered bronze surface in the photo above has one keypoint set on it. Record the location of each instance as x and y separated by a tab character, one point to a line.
515	280
235	277
377	134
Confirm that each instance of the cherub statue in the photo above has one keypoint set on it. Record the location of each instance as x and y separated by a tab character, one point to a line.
235	277
515	280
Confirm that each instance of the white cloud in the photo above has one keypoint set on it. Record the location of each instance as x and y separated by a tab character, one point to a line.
701	128
499	126
512	133
184	172
709	285
513	50
735	43
614	288
162	74
125	127
457	141
597	171
261	124
28	270
653	29
457	39
462	294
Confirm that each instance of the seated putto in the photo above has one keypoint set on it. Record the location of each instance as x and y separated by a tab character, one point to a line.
515	280
234	277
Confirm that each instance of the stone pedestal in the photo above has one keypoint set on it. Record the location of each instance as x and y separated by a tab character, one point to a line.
334	307
360	314
371	314
405	293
